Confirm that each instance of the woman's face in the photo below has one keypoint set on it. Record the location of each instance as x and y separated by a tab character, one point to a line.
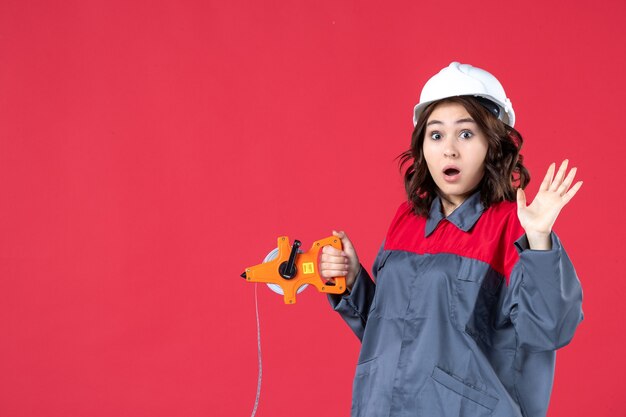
455	150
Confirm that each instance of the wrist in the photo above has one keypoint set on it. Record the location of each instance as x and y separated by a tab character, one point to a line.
539	240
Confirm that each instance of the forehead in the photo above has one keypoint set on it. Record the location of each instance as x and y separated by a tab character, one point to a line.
449	112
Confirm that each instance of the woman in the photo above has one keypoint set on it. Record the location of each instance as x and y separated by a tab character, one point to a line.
474	291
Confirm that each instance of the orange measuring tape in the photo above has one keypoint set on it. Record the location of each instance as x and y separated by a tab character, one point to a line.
293	268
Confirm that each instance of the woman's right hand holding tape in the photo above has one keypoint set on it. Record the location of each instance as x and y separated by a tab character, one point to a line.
338	263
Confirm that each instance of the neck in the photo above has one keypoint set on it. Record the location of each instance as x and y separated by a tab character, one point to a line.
448	205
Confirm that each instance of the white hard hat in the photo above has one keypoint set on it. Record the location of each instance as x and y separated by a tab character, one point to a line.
465	80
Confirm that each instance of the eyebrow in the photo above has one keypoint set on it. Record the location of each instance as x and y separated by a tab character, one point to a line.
466	120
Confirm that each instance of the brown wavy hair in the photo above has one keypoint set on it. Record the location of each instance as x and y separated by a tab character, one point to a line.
504	168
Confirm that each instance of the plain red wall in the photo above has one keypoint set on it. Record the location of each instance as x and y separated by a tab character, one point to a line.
150	150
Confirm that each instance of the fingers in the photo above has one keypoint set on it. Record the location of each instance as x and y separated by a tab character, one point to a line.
334	267
572	192
559	184
333	262
329	250
332	273
568	181
558	179
548	178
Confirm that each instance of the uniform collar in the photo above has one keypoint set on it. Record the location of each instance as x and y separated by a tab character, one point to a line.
464	217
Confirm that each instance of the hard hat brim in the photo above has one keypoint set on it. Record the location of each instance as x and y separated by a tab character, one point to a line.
507	116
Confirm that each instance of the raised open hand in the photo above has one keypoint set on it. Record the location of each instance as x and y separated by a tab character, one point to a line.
538	218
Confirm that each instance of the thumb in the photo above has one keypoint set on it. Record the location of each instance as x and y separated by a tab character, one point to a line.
521	198
345	241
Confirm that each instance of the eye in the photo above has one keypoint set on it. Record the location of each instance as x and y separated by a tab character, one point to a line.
466	134
435	135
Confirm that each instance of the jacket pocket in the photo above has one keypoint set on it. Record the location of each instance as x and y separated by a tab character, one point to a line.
473	297
445	395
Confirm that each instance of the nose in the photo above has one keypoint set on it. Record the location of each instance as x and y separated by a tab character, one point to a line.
450	150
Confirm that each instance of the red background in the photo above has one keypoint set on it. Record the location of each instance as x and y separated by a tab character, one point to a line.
151	150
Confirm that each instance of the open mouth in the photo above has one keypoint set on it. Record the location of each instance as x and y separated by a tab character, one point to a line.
451	172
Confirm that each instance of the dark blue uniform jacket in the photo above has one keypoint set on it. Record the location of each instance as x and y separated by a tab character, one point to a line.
463	320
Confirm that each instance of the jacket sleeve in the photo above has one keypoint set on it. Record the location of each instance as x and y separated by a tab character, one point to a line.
354	306
544	298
